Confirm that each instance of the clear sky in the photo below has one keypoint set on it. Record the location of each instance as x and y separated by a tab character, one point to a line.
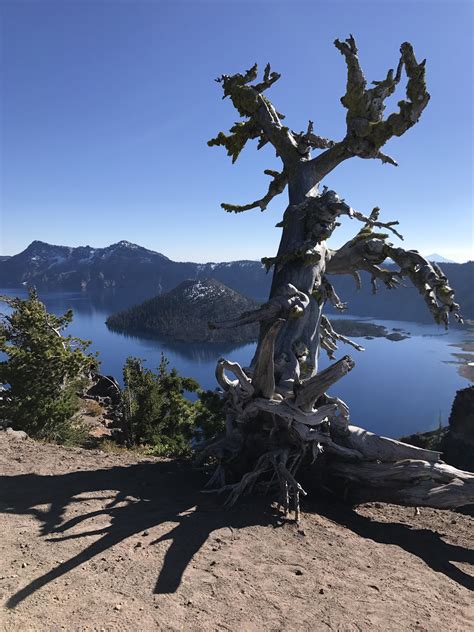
106	107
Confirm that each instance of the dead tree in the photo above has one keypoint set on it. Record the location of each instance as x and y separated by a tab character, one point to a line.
279	418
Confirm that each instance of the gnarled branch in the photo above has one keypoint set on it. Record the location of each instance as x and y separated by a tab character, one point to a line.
242	131
277	186
367	249
250	102
328	337
308	391
288	303
367	131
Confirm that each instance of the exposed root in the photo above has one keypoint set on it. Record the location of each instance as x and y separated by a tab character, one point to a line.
295	430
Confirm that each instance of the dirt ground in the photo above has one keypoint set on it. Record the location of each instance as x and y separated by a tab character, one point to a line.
96	541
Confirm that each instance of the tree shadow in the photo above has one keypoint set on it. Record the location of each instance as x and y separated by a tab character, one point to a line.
145	495
426	544
142	496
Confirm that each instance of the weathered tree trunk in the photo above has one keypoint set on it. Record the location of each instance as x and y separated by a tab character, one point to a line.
304	329
279	417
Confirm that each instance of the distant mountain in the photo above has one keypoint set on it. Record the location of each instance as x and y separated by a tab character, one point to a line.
438	258
123	266
134	274
184	313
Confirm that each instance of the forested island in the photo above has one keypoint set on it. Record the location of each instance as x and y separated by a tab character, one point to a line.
188	312
184	314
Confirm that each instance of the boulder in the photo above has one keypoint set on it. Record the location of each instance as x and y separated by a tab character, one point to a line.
105	389
458	444
16	434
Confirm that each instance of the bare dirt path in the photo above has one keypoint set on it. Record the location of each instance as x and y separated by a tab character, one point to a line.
94	541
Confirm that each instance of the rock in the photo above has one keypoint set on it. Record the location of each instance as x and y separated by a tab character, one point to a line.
16	434
461	419
396	336
458	443
105	389
298	572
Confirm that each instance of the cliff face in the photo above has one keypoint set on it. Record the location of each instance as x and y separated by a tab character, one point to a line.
458	443
455	441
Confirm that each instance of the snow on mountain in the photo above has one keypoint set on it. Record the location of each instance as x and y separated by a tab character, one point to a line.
438	258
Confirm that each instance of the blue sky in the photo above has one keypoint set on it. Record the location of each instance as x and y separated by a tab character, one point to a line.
106	108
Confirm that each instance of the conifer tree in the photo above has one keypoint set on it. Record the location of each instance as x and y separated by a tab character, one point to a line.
42	369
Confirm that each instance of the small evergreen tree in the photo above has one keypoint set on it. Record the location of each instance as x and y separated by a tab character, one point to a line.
210	417
156	412
42	369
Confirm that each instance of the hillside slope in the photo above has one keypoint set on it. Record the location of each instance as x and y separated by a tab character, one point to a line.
94	541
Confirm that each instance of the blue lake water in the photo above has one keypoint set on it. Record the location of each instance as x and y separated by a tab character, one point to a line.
396	388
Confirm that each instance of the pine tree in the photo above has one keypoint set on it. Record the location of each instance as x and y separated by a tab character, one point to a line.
42	369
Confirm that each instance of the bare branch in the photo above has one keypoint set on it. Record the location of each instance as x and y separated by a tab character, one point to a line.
243	381
288	303
367	249
372	221
309	390
329	336
263	379
328	293
276	186
269	78
308	140
430	281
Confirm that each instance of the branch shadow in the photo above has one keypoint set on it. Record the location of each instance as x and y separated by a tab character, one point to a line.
426	544
144	495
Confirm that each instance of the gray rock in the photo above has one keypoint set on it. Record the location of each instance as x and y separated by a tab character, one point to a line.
16	434
396	336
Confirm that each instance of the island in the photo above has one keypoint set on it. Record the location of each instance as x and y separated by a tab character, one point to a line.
184	314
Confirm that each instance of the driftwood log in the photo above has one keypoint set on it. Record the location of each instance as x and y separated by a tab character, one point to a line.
279	419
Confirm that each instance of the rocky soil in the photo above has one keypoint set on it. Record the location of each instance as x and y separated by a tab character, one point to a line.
98	541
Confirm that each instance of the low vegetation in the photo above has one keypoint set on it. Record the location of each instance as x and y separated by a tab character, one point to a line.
157	414
43	373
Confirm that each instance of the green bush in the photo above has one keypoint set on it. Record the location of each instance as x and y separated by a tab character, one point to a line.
156	412
210	418
158	415
42	371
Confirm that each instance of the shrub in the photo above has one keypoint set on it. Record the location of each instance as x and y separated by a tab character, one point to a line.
210	417
42	371
156	412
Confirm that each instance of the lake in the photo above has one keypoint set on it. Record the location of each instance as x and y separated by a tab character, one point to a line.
396	387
